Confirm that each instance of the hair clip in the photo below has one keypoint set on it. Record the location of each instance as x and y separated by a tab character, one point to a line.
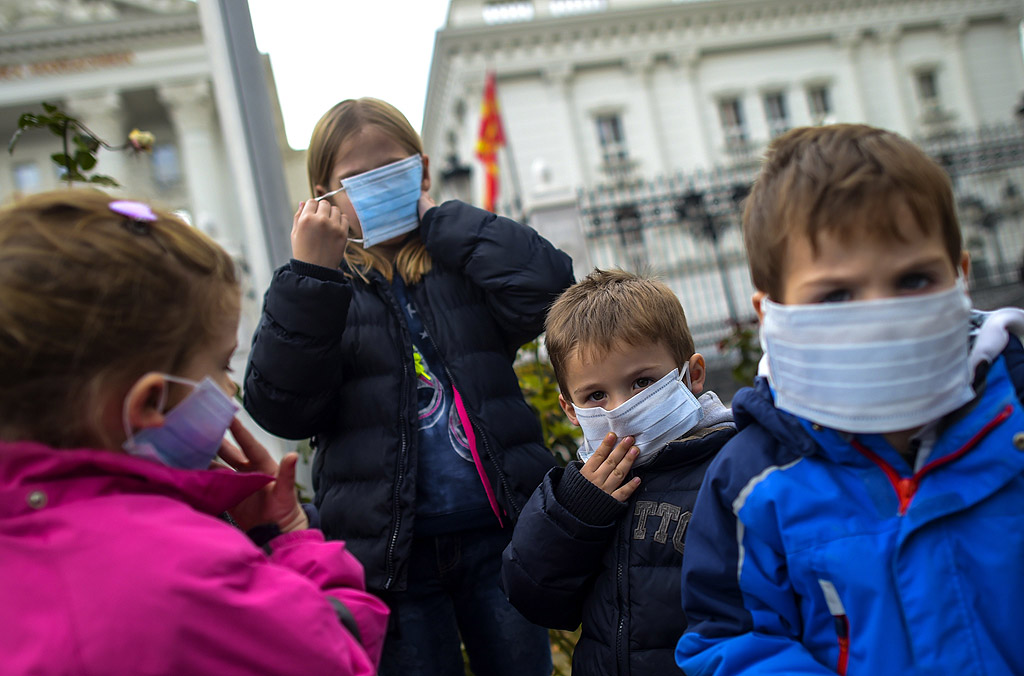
138	216
136	211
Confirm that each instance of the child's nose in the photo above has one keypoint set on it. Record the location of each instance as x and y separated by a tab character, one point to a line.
614	401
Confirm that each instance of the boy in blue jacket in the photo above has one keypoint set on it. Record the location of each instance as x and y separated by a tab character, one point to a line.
601	542
868	518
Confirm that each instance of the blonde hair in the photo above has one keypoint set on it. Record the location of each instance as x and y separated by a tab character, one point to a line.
845	179
611	306
91	300
340	123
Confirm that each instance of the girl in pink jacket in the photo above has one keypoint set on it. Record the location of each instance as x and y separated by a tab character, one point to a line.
117	324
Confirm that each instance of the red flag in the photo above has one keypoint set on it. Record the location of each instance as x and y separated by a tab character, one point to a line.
490	139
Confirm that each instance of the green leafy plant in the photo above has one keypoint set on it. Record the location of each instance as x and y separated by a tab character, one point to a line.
743	338
537	381
79	144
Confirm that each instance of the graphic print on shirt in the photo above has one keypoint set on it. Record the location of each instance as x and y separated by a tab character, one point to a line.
434	407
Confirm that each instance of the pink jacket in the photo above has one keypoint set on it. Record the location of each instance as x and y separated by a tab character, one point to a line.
111	564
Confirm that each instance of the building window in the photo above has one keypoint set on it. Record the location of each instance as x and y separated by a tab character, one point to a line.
565	7
927	82
734	126
614	155
507	11
166	165
819	102
775	113
27	178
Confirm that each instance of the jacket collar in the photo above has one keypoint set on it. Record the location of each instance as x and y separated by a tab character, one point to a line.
756	404
60	476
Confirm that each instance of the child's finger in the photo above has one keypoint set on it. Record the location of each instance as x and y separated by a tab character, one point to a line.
257	457
621	450
610	468
601	453
623	492
230	454
284	485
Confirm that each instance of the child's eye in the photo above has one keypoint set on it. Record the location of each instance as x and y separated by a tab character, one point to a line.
836	296
914	281
596	396
641	383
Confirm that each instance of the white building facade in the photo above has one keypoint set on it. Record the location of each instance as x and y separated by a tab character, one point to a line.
634	126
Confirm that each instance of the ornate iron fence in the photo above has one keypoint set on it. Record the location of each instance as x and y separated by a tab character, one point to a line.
685	228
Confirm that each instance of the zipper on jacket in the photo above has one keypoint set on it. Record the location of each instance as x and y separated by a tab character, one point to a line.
620	631
403	456
842	624
487	446
906	487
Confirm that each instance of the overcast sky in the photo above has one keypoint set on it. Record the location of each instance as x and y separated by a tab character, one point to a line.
324	51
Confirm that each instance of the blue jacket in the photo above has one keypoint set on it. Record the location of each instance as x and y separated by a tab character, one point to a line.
815	552
579	555
332	358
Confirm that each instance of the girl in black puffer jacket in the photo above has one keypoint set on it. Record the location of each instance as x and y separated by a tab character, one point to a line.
395	352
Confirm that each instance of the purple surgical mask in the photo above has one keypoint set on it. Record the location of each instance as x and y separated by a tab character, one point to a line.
192	431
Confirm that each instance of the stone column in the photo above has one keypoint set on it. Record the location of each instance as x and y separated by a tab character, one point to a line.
689	62
101	112
641	66
559	77
890	37
757	120
797	105
849	46
952	36
192	113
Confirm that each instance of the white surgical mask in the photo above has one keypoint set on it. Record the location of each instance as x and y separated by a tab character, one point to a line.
192	431
870	366
654	416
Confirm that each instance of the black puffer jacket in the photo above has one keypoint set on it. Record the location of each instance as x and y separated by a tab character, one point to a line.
332	357
579	556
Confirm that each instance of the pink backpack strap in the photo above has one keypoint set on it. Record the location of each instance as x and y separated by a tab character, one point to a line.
471	439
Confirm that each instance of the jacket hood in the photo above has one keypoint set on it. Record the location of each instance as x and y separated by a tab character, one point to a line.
756	404
67	475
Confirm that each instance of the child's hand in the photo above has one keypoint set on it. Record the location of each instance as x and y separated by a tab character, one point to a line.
319	234
609	466
274	503
425	203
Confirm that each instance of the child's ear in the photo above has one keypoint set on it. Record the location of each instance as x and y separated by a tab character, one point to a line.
425	185
144	403
965	263
698	372
756	300
567	408
318	190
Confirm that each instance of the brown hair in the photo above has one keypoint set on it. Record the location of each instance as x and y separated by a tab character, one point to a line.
611	306
847	180
89	300
337	125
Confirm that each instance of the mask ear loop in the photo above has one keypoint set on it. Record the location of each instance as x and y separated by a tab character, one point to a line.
685	375
128	433
356	240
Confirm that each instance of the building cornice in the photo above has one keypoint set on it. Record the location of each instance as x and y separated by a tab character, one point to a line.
82	40
717	24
